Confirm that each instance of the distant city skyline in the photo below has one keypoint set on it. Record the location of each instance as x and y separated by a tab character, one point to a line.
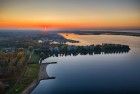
70	13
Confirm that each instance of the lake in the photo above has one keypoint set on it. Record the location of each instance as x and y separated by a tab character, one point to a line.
94	74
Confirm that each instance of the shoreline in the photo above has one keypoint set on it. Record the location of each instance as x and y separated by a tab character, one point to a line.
84	32
42	75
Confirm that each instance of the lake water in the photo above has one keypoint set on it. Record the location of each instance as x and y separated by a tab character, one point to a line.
95	74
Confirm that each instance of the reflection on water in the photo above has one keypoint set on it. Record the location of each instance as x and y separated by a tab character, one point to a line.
98	39
95	74
132	41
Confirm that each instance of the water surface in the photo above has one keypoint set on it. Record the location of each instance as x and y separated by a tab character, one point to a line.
95	74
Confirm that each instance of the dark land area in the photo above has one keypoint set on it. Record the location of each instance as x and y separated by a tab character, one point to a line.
103	32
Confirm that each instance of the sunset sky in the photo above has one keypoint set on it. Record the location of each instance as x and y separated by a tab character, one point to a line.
70	13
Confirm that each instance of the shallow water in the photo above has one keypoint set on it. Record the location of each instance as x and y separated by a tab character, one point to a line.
95	74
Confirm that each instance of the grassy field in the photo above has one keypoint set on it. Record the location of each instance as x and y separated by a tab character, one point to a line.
35	58
29	76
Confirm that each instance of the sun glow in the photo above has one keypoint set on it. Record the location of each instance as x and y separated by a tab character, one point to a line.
70	14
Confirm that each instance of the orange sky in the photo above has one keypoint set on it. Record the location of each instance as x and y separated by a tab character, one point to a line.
70	14
98	24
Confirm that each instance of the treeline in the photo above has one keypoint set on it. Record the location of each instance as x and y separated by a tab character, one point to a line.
11	62
82	50
12	66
